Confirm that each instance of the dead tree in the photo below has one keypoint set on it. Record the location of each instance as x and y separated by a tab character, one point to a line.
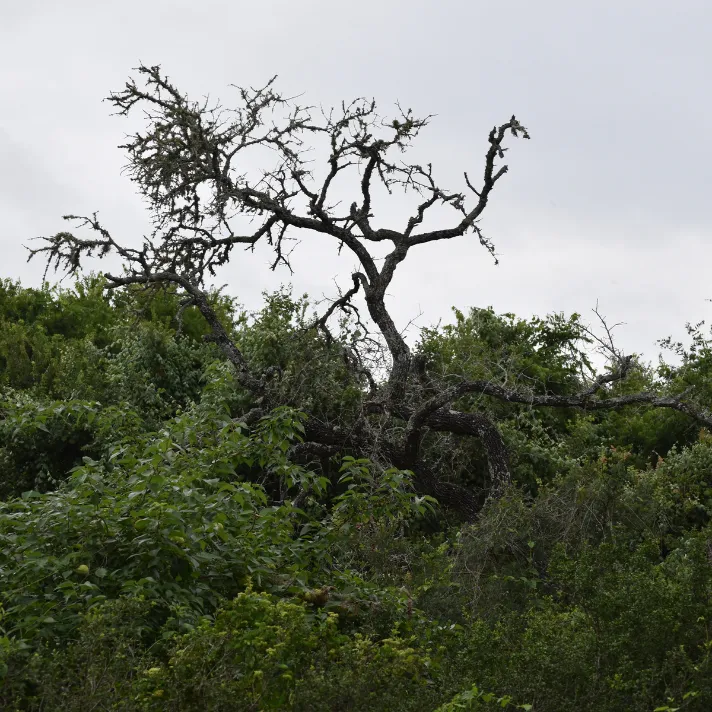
187	166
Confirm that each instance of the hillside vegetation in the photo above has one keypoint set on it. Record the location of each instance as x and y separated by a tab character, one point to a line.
160	551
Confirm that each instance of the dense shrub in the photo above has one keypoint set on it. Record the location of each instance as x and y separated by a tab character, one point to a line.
159	553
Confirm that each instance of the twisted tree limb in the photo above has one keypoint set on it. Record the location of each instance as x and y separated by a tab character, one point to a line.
185	164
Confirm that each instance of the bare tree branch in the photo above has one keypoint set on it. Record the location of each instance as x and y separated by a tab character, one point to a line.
352	357
219	334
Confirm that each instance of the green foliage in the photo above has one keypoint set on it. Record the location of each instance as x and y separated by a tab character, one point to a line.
580	598
81	344
540	356
258	652
476	699
43	440
549	356
545	355
168	518
159	518
273	655
96	670
157	553
312	374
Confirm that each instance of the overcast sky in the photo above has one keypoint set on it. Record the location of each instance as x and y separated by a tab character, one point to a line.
609	202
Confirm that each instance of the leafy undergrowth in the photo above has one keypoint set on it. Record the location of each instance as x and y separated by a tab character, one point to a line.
158	553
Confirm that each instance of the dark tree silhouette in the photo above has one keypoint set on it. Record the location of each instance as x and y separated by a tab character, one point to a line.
187	166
